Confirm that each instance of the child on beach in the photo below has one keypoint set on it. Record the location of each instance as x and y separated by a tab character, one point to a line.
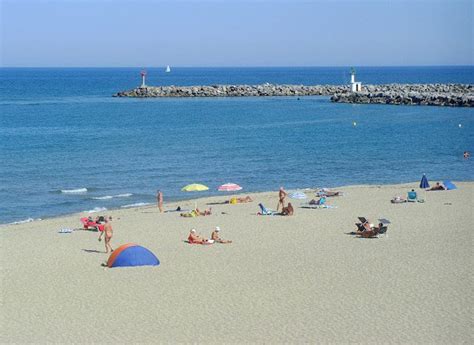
108	231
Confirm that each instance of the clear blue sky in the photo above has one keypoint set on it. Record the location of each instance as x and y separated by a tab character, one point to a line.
151	33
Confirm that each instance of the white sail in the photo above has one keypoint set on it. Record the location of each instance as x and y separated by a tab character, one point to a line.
168	69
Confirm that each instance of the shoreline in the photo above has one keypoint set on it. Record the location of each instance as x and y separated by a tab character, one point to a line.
297	279
186	200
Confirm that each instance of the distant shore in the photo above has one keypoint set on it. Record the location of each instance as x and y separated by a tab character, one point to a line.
456	95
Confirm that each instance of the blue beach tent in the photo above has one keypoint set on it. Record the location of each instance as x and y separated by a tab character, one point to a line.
131	254
449	185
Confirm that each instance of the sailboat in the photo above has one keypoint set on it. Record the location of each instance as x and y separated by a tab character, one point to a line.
168	69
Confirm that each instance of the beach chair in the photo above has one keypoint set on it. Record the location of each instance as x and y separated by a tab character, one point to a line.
360	226
321	201
91	225
412	197
265	212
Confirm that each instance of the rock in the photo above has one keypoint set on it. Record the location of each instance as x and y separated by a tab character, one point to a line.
417	94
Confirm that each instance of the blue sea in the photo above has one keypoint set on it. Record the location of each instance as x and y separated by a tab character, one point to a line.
66	145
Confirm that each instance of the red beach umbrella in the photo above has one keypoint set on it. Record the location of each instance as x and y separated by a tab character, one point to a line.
229	187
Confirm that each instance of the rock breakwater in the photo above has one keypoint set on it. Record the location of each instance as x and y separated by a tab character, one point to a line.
454	95
234	91
460	95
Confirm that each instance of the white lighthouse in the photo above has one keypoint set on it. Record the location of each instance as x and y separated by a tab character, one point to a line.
143	74
356	86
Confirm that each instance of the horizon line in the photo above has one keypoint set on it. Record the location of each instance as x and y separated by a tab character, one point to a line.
254	66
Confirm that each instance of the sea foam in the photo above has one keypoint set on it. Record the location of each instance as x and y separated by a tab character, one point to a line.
138	204
97	209
28	220
106	197
74	191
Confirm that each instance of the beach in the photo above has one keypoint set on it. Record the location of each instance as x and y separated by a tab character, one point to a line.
297	279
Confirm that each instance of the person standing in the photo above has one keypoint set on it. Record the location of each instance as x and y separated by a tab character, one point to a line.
159	199
108	231
281	196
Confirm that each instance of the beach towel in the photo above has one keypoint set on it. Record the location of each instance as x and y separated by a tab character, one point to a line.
266	212
314	206
65	231
205	243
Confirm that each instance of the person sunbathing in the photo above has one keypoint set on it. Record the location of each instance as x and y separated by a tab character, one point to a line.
216	238
288	210
204	213
438	186
196	213
239	200
327	192
194	238
189	214
320	201
397	200
369	230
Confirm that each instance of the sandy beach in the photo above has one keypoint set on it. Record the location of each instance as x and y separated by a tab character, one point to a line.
298	279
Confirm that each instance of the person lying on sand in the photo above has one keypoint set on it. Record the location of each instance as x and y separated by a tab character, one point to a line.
216	238
438	186
320	201
204	213
327	192
239	200
397	200
194	238
189	214
288	210
196	212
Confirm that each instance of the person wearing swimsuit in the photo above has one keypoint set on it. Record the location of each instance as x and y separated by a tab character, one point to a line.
108	231
281	196
215	236
195	238
159	199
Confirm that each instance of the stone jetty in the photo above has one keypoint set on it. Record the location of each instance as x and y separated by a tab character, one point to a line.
455	95
234	91
460	95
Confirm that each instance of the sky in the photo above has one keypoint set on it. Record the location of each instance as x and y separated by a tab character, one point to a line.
127	33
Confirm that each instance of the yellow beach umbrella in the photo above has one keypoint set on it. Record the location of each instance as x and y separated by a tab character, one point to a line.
194	187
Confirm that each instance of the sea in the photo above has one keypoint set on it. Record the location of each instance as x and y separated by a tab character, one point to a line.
67	145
